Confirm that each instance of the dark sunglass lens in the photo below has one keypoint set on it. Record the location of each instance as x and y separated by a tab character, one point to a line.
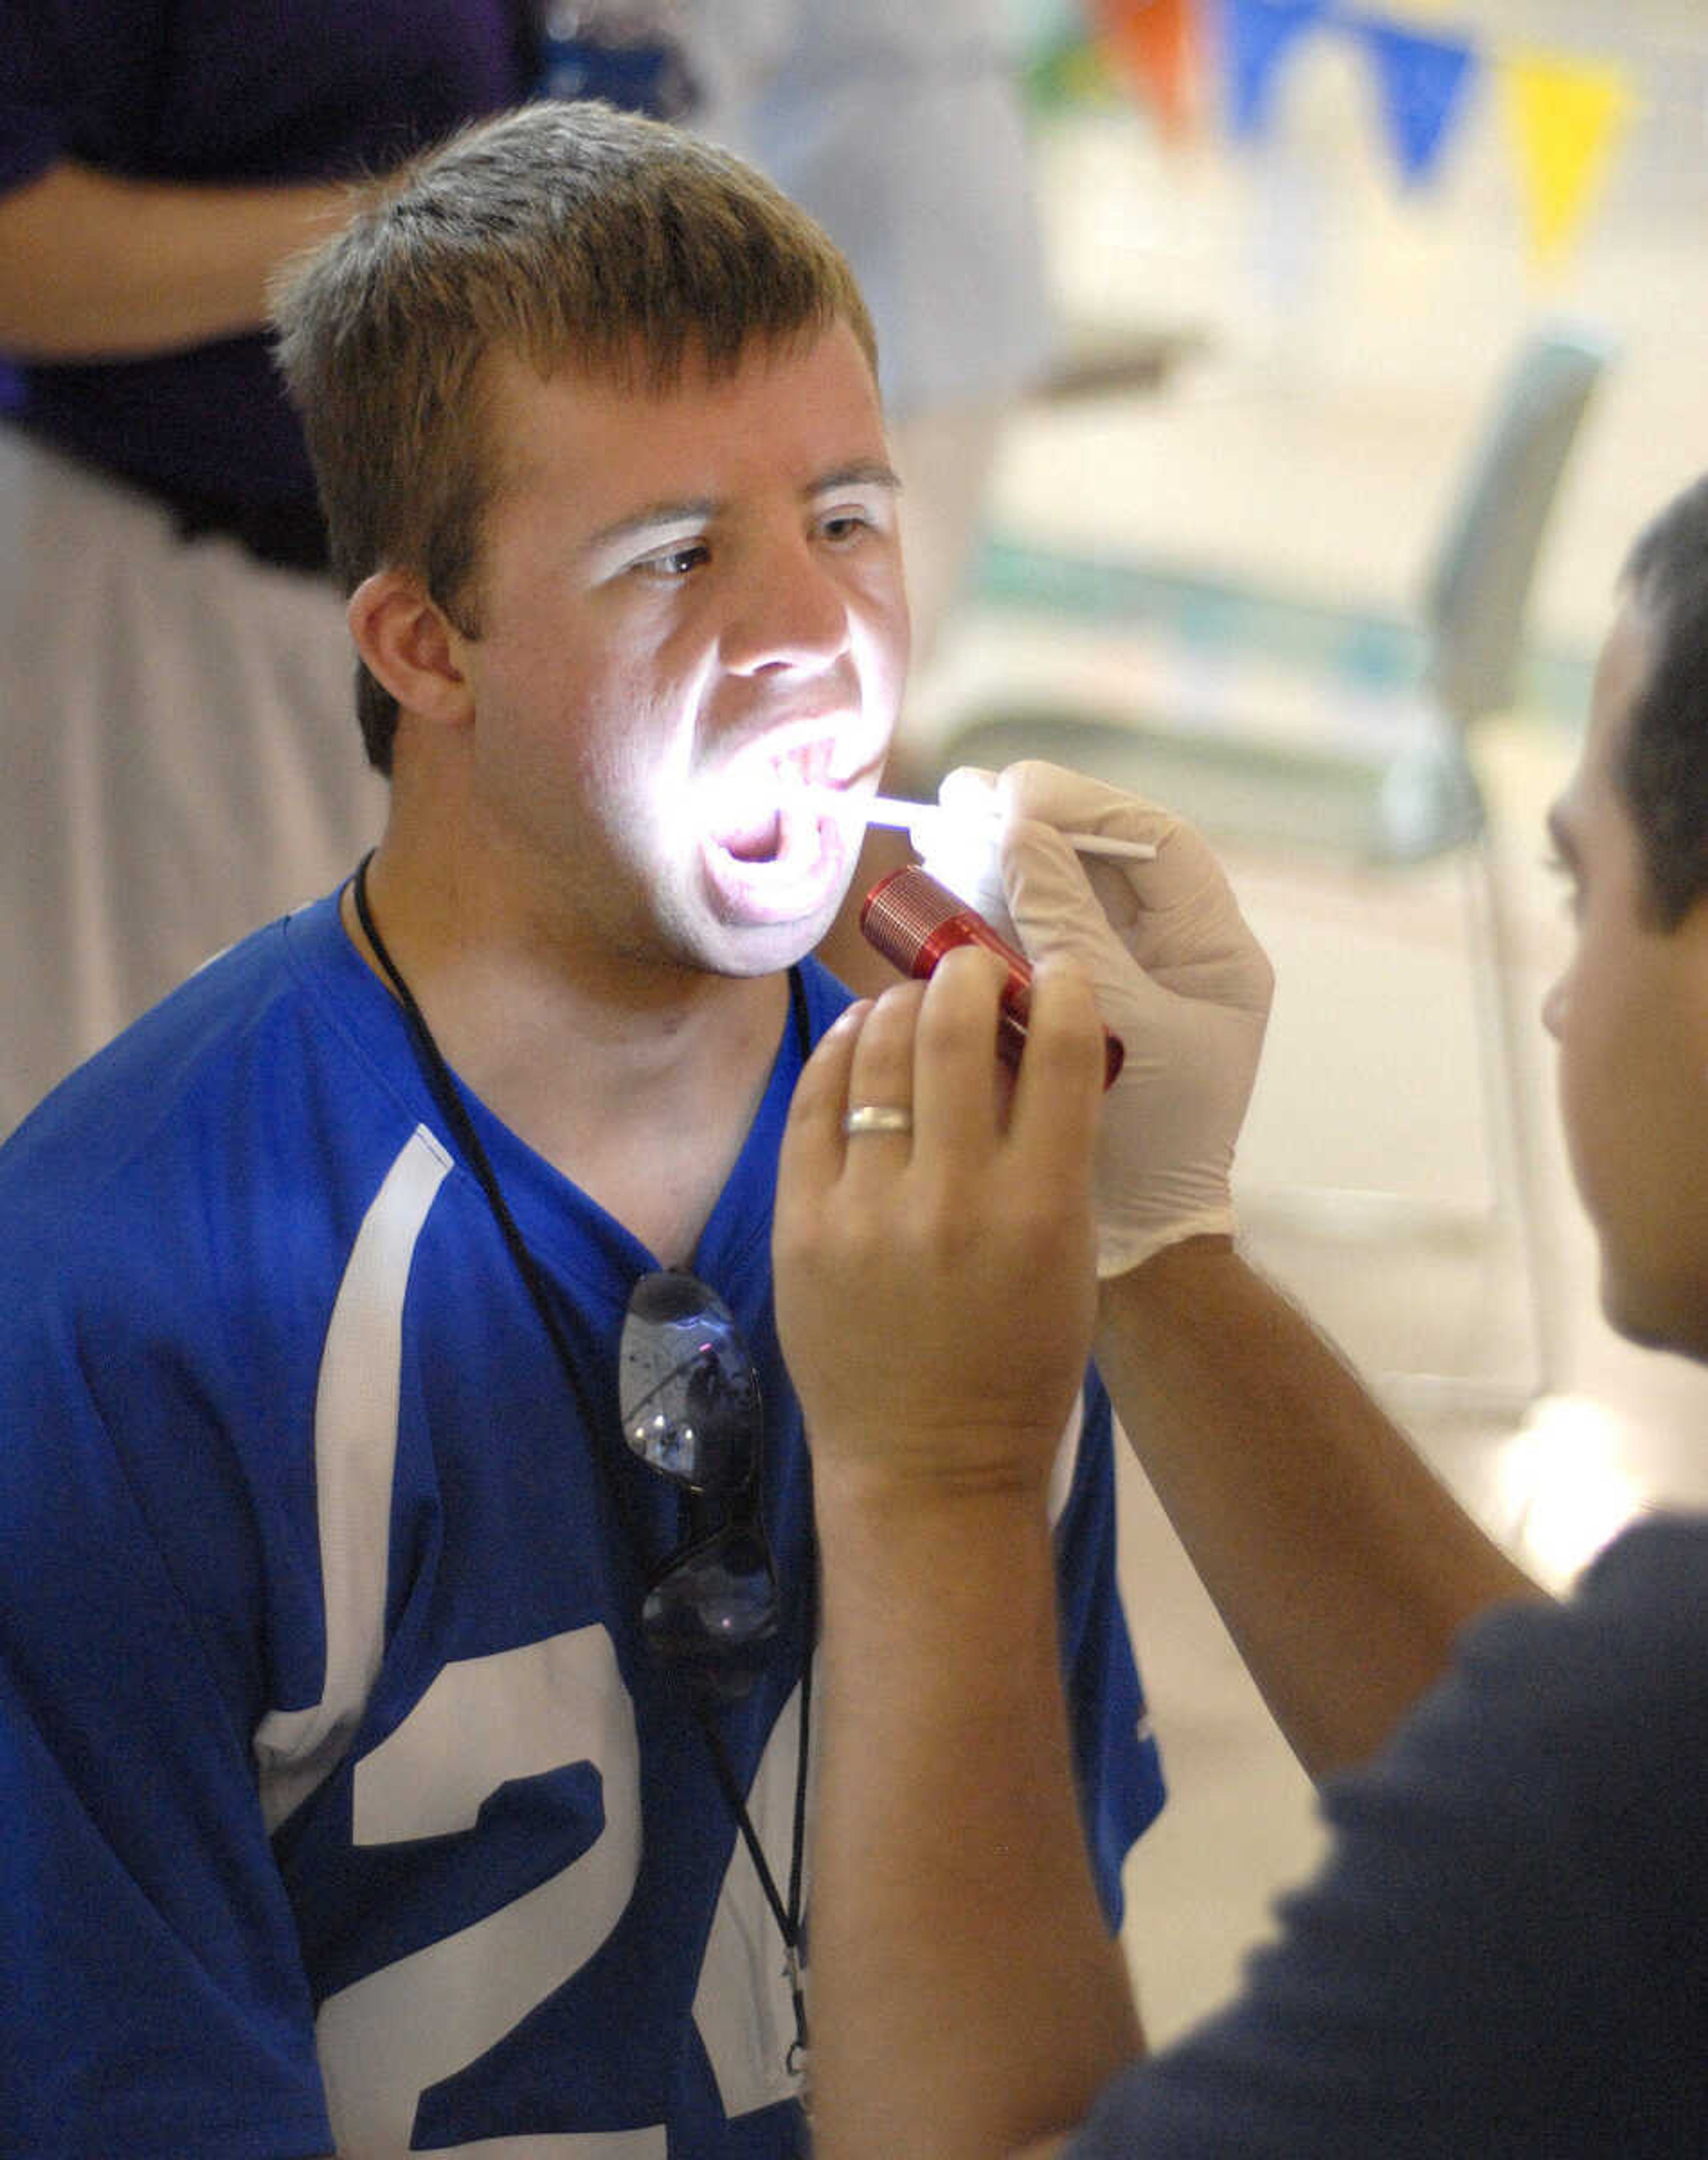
718	1597
687	1391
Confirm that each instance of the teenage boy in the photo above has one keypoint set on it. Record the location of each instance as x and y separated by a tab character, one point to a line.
407	1582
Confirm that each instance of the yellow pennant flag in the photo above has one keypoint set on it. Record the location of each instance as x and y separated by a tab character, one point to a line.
1566	116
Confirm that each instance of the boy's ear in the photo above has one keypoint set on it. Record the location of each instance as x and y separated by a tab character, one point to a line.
410	646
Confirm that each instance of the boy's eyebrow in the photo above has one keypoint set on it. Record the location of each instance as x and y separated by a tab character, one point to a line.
864	472
686	509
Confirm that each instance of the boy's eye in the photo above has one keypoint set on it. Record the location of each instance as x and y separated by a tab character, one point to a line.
845	519
674	561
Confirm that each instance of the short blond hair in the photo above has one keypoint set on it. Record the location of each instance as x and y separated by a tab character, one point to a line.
567	235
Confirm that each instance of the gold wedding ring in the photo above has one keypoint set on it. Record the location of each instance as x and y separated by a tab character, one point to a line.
877	1117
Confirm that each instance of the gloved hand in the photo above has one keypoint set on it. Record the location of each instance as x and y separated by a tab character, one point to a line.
1178	977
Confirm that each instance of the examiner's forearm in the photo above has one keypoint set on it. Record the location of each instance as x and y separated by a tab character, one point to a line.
967	1997
95	266
1342	1566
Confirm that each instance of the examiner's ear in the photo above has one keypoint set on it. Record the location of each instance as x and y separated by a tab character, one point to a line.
410	646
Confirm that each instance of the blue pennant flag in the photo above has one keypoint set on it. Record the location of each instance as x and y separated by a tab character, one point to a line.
1256	37
1422	81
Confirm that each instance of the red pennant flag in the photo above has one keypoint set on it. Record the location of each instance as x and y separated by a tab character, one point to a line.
1153	44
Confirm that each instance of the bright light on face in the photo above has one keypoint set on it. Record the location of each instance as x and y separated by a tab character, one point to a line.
1566	1488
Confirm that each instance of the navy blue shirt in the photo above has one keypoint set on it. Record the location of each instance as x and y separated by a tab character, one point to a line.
1506	1954
233	92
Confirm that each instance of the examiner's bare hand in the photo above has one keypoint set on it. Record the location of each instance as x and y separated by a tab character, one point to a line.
936	1289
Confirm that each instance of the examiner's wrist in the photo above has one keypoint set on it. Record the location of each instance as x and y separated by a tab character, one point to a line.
943	1557
1178	1283
899	1510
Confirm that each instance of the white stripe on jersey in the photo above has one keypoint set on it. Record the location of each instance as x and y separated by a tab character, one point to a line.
355	1447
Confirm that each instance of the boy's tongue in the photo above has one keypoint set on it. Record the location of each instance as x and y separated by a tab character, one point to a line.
758	809
753	837
774	846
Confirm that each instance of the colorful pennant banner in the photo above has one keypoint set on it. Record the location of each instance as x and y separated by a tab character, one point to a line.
1155	45
1254	41
1565	115
1565	118
1422	81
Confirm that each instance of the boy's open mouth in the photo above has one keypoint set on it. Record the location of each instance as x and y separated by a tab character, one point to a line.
777	837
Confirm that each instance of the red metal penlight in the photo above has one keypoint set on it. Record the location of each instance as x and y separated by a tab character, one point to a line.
913	921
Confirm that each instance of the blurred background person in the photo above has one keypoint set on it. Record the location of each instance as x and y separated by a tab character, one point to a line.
175	670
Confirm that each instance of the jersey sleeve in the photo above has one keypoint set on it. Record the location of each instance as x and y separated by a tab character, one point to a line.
154	1999
1115	1753
1490	1961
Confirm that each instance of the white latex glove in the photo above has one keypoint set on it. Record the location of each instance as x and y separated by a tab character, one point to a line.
1178	976
962	849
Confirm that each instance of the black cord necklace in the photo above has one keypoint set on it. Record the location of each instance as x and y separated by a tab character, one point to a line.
787	1914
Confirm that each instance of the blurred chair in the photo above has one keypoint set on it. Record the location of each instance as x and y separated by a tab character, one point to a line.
1422	801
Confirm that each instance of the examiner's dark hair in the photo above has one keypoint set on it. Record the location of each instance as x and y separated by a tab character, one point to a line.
570	235
1663	773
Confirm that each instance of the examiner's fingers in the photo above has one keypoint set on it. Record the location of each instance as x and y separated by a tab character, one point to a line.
811	1155
1058	1097
957	1080
879	1108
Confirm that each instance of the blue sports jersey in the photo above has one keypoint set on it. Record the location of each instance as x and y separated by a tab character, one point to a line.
344	1804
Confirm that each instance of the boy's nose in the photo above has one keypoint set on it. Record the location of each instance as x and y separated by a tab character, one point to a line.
790	611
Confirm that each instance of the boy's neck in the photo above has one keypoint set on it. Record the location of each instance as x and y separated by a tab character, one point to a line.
639	1085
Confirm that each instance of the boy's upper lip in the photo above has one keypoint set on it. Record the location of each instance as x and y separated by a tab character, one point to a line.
826	746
